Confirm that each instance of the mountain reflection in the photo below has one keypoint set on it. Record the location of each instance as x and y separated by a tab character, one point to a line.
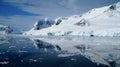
60	51
44	45
97	50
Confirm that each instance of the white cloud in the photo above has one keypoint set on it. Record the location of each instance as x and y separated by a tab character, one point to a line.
70	4
48	8
19	22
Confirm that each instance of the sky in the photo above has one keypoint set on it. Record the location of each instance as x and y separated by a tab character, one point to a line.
22	14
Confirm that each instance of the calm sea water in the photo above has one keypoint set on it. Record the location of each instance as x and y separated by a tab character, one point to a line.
69	51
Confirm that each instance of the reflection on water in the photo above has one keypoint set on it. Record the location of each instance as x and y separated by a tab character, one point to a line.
20	51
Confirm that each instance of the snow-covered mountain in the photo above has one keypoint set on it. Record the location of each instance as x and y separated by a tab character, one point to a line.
104	21
5	29
42	23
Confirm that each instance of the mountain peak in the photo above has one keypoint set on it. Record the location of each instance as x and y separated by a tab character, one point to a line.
42	23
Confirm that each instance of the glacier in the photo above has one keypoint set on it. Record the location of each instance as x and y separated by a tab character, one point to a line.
103	21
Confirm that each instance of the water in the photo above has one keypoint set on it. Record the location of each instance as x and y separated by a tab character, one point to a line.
21	51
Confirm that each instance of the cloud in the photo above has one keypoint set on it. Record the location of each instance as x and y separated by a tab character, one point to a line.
47	8
53	8
70	4
19	22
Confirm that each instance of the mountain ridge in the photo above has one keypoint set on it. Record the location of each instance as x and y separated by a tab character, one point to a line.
102	21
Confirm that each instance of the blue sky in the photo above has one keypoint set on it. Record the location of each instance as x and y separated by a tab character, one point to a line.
22	14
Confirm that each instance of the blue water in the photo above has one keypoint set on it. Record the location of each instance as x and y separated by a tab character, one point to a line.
20	51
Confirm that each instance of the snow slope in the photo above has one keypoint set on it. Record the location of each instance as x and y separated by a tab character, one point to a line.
104	21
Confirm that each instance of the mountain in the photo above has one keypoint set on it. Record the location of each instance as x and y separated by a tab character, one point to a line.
104	21
5	29
41	24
